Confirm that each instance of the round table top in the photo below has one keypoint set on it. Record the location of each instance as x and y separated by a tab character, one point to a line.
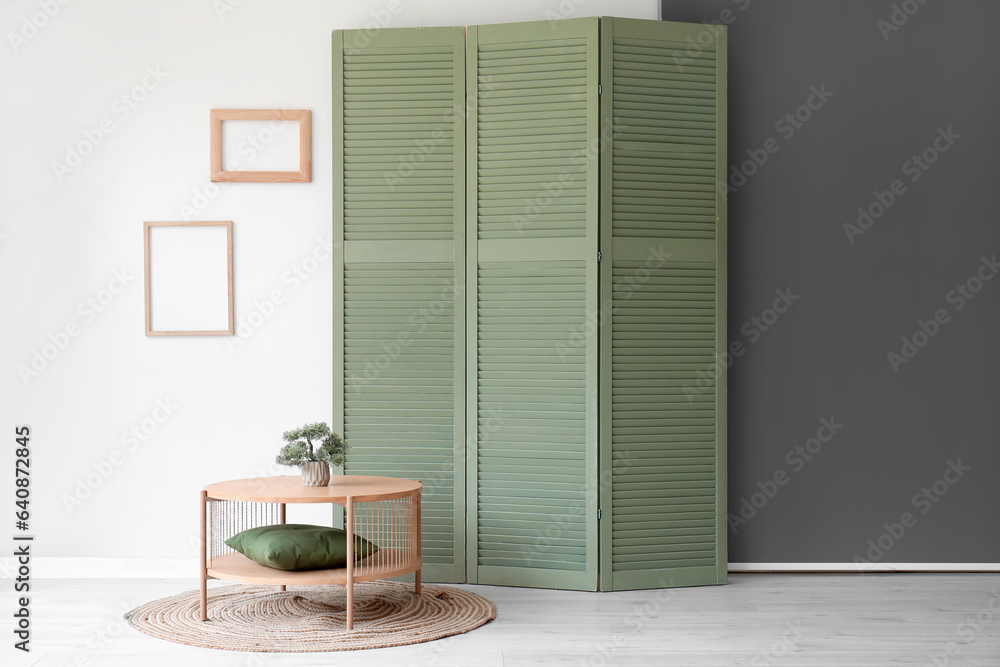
289	489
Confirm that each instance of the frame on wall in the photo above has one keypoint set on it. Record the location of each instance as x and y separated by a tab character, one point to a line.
302	117
194	276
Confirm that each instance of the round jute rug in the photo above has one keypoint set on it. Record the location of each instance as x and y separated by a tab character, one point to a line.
312	618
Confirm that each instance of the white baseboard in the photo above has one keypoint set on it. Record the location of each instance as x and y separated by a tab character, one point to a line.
187	568
865	567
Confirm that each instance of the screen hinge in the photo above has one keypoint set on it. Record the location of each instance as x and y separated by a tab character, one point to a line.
598	255
599	90
598	513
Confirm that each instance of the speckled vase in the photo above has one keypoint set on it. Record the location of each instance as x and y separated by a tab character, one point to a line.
316	473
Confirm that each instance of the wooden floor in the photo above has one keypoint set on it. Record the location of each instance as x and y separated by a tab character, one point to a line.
758	619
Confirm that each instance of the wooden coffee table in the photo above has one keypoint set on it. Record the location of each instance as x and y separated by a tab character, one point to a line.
382	510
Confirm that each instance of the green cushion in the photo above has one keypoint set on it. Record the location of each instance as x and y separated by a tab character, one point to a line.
298	546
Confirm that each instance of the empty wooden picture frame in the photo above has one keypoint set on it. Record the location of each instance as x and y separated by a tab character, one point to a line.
189	278
302	117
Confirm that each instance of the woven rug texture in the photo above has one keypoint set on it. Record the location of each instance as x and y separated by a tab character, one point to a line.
313	618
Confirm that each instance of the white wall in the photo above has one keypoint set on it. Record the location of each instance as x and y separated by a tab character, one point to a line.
65	237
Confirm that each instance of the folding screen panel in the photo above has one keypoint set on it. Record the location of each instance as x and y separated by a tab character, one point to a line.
399	276
532	270
663	430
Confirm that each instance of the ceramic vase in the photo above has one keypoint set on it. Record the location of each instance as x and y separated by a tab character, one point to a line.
316	473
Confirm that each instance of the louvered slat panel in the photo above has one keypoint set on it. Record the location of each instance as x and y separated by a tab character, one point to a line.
533	279
399	137
532	139
664	163
399	146
656	480
664	424
531	415
399	407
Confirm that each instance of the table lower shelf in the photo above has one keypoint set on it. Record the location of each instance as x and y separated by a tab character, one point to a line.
382	565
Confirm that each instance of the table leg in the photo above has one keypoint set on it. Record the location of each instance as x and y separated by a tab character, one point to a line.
281	520
204	557
417	538
349	585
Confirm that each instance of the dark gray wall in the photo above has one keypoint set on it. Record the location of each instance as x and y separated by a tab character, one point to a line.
827	356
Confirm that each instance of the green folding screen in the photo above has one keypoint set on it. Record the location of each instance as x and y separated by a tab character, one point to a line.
663	214
532	267
530	289
399	216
